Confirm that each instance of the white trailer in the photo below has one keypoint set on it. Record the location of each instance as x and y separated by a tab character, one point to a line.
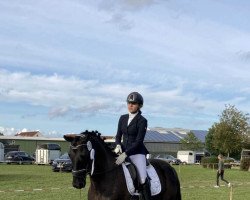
186	157
1	152
46	153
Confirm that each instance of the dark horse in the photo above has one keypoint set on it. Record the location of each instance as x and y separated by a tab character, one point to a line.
91	155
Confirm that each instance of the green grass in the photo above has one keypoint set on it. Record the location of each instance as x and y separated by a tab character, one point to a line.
197	183
30	177
203	180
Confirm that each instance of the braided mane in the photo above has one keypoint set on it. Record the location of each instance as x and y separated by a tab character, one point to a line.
96	136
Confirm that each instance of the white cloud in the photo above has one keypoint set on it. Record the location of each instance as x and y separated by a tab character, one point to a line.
8	131
125	5
71	95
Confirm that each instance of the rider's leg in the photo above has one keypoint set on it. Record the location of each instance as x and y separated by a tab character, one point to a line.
140	162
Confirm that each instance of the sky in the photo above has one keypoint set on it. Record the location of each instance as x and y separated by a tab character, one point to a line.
68	65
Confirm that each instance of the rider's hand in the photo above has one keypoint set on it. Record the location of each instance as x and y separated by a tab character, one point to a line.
118	149
121	158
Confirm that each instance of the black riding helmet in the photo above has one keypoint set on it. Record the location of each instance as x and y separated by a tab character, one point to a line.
135	97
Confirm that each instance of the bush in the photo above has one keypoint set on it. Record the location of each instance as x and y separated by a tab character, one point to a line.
211	159
245	164
212	162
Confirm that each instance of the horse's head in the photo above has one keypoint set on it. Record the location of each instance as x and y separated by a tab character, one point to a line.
89	155
79	153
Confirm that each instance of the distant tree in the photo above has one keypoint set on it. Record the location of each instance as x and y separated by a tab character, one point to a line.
1	134
209	141
191	142
230	134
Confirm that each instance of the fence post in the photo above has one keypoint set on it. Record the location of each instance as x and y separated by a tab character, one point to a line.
231	193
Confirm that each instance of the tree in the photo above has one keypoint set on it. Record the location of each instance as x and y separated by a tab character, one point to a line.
230	134
191	142
1	134
209	140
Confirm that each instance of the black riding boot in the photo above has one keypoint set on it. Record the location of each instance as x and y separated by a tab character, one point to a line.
146	192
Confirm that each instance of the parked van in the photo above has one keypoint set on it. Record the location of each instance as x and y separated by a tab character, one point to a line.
200	154
46	153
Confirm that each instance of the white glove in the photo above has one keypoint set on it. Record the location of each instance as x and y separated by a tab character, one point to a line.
121	158
118	149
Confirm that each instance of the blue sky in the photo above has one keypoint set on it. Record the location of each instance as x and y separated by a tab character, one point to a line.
68	65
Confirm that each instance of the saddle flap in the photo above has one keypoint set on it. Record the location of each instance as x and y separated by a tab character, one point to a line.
155	184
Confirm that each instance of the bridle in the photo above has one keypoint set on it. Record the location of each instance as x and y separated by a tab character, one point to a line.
83	171
80	172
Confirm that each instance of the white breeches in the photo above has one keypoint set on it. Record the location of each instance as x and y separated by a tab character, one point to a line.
140	162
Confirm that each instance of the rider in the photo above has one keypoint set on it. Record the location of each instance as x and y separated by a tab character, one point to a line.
132	127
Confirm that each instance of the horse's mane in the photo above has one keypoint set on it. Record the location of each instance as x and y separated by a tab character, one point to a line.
96	136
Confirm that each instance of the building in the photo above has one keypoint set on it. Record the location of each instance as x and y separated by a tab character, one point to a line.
29	144
157	140
167	140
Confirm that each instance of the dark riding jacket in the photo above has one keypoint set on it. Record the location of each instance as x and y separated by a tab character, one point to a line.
133	134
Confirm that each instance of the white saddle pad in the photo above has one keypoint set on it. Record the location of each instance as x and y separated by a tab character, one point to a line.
155	184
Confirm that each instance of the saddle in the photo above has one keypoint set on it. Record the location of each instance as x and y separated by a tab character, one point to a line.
134	175
132	179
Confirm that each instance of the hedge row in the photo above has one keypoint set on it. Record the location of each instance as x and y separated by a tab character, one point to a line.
212	162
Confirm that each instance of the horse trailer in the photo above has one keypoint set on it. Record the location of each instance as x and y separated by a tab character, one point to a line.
191	157
46	153
186	157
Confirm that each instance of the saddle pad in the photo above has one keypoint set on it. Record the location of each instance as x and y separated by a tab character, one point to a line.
155	184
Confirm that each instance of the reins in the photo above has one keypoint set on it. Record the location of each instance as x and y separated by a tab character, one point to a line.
104	172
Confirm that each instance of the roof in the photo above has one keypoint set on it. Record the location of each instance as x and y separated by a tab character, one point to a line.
152	135
200	134
108	137
29	134
31	138
172	135
155	136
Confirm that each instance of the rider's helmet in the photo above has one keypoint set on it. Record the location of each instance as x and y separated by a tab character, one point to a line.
135	97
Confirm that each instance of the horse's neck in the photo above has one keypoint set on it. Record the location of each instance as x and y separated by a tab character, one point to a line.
104	173
104	160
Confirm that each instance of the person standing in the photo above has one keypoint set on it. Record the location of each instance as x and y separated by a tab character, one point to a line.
220	172
132	127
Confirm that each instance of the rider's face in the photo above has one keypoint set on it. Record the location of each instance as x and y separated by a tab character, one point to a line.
133	107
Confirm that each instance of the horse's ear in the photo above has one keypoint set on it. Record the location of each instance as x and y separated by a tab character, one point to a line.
69	137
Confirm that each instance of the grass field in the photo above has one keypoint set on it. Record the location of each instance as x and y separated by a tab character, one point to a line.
19	182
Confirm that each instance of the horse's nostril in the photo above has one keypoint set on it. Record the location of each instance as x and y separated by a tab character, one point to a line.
79	185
